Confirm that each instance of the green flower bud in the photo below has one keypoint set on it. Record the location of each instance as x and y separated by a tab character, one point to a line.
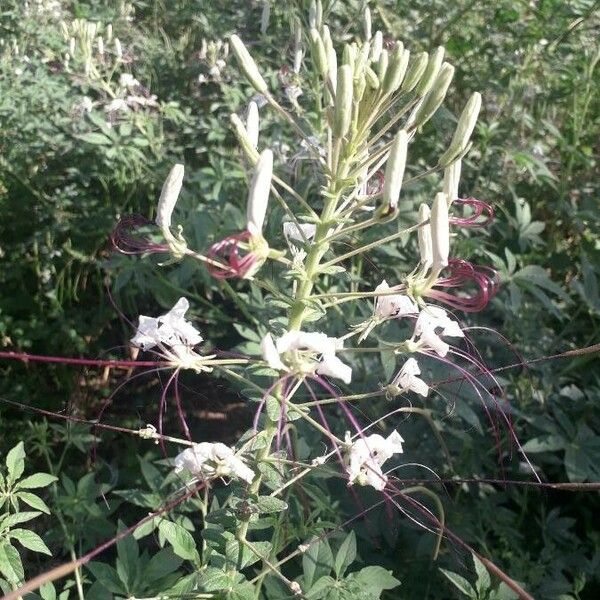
244	139
464	129
319	53
349	55
247	65
367	23
431	71
396	70
394	170
415	70
434	98
372	79
343	102
382	64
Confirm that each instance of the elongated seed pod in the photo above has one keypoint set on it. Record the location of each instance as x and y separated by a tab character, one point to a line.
440	231
367	23
464	129
431	71
382	65
343	102
247	65
394	170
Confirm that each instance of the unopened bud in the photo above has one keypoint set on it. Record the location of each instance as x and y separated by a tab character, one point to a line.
244	139
415	71
297	46
318	52
440	231
464	129
343	102
315	14
258	195
72	46
424	235
252	123
431	71
248	65
382	65
372	79
264	17
396	70
118	49
394	170
349	55
434	98
100	44
331	56
451	181
367	23
109	32
376	46
168	197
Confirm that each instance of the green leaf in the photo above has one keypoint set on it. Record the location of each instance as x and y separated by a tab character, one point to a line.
375	579
33	501
321	587
37	480
214	580
161	564
182	541
47	591
345	555
98	139
9	521
243	556
106	576
10	563
483	582
269	504
461	583
15	462
546	443
316	562
30	540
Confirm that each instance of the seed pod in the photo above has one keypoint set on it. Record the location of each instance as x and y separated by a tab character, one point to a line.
319	53
396	70
464	129
440	231
343	102
247	65
258	195
434	98
168	197
431	71
451	180
424	235
415	71
394	170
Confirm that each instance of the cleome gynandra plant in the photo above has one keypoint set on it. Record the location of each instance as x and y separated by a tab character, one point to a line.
368	102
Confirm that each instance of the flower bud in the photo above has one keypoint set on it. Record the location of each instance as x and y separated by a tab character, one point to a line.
258	195
247	65
415	70
343	102
372	79
376	46
394	170
319	53
315	14
331	56
367	23
434	98
244	139
264	16
451	181
396	70
382	65
168	197
424	234
118	48
464	129
431	71
109	32
440	231
298	54
349	55
252	124
100	44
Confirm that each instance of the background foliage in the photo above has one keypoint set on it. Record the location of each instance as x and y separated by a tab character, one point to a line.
66	175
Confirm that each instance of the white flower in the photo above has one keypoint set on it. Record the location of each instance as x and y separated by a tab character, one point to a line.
207	460
407	378
258	196
430	319
291	231
305	353
367	455
117	105
393	305
128	81
170	329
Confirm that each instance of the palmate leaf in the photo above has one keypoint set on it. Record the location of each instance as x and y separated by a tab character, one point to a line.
37	480
15	462
11	566
30	540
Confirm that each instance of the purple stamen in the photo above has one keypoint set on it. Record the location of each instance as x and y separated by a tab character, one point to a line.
227	252
479	208
125	242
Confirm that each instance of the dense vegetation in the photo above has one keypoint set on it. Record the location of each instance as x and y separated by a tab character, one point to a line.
88	136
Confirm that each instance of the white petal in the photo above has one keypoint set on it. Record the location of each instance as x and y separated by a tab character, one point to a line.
258	196
270	354
147	335
434	342
168	197
293	232
440	231
395	441
252	123
332	366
